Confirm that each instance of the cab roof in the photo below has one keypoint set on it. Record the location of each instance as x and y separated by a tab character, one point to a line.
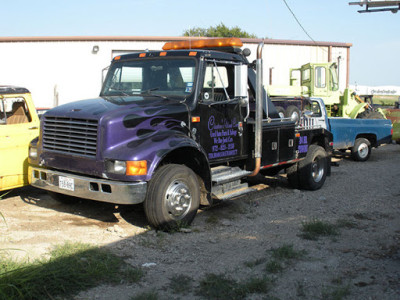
9	89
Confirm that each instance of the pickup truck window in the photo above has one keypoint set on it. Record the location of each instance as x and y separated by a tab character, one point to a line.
153	76
13	111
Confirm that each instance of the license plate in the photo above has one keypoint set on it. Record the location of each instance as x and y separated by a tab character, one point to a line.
66	183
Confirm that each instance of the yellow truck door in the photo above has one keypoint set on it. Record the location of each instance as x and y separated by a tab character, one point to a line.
19	124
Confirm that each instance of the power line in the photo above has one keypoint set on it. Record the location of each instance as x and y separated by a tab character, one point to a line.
301	26
298	22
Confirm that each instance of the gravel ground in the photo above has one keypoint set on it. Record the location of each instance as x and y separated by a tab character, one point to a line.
234	239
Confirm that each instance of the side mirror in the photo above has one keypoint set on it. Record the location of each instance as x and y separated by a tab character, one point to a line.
241	92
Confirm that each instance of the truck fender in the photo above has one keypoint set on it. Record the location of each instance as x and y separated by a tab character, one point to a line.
167	147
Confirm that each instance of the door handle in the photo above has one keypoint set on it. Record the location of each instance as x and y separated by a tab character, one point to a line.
34	127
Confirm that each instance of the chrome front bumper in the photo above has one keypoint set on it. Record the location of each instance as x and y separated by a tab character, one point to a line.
118	192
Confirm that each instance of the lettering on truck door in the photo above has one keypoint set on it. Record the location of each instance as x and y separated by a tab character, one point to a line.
221	124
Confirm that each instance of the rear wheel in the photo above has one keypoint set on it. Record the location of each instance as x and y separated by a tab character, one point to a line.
293	176
281	111
312	170
361	150
293	113
173	197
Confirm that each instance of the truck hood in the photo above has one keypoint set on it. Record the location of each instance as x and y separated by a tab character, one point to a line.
113	107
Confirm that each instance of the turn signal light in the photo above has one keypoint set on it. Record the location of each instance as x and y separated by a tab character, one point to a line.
203	43
136	167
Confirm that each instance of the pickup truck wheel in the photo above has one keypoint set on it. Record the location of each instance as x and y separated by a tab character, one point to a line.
361	150
312	170
173	197
281	111
293	113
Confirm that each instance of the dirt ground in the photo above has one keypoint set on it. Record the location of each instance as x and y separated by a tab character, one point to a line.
234	238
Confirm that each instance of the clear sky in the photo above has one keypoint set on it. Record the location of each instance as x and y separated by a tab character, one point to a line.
374	57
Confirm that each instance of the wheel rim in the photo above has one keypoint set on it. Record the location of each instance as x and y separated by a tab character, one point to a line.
317	170
363	150
295	117
178	199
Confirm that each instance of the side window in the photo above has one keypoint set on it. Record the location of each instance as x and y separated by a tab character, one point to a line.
218	82
316	109
14	111
320	77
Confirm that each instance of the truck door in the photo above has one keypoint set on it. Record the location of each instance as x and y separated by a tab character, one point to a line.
220	129
17	129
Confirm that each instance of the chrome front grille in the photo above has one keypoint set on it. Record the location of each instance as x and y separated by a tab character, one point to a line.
68	135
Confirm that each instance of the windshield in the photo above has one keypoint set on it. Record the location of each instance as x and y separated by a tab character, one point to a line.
162	77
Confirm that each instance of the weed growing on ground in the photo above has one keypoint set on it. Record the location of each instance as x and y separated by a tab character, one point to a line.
71	268
181	284
274	266
223	287
315	228
336	293
287	252
146	296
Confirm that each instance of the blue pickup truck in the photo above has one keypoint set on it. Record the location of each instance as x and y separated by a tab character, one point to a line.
356	135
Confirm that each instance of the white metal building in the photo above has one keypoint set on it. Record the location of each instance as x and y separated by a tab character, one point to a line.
65	69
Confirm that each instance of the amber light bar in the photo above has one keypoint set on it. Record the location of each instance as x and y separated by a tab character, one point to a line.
205	43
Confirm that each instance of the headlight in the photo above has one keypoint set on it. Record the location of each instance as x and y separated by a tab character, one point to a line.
131	168
33	152
119	167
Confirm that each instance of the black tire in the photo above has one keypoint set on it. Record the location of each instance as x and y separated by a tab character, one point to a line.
293	112
66	199
312	170
370	114
293	176
281	111
173	197
361	151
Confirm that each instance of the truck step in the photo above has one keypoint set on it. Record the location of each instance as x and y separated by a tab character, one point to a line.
234	193
224	174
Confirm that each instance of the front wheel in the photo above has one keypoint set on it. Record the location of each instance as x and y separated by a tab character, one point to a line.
312	170
173	197
361	150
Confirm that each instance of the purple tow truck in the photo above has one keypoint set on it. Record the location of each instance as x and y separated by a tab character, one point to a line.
175	129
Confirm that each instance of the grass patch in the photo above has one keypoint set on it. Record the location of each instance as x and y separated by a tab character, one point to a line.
145	296
71	268
274	266
336	293
287	252
181	284
223	287
313	229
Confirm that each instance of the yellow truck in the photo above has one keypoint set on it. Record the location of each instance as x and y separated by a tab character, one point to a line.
19	124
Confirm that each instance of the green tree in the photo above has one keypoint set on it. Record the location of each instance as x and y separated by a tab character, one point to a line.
218	31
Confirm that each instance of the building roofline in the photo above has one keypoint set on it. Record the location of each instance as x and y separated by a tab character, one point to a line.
160	39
